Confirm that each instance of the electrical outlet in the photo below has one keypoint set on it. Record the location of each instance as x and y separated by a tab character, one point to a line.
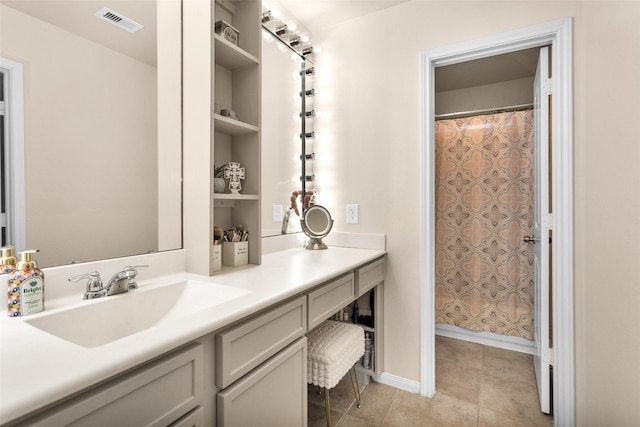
352	214
277	213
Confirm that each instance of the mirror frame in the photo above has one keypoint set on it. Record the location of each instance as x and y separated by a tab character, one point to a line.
315	235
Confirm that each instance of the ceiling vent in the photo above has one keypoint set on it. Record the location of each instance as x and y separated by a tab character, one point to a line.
118	20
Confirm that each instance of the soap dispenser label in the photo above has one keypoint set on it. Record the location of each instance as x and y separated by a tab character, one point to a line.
27	297
32	299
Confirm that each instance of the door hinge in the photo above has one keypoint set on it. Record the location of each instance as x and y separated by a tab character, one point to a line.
546	221
546	86
551	359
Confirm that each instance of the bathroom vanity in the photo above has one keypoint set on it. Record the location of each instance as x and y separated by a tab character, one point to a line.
240	362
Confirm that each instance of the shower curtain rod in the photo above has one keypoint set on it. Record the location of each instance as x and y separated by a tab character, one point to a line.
460	114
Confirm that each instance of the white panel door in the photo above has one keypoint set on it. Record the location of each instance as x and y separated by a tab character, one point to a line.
540	238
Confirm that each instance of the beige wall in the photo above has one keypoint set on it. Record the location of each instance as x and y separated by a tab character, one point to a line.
371	86
496	95
79	97
280	132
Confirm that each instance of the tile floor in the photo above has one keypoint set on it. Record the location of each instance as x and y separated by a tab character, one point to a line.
476	385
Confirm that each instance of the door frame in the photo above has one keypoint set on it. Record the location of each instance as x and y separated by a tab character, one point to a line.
558	34
14	138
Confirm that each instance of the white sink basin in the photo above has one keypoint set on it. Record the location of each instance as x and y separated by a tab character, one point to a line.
110	318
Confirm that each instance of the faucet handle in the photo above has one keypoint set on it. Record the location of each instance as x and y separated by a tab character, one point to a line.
134	267
132	272
94	285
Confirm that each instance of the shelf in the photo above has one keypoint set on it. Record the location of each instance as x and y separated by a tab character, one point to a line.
231	56
233	127
229	196
235	84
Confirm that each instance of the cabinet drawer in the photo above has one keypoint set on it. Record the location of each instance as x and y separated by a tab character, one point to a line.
369	276
329	298
156	394
243	347
195	418
275	394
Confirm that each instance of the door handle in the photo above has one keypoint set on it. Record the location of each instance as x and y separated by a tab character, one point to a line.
533	240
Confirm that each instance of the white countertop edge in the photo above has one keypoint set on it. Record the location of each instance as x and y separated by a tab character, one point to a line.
58	368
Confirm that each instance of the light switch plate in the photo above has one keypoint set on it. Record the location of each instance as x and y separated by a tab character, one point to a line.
277	213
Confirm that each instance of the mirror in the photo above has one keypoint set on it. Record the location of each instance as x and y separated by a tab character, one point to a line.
280	133
316	223
102	126
287	73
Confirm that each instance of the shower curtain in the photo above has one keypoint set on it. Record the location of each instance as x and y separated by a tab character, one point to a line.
484	208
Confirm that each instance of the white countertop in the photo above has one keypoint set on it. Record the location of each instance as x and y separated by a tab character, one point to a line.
38	369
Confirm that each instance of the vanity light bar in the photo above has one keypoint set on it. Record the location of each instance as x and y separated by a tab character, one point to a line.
267	16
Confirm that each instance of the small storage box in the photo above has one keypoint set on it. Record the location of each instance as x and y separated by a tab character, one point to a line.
227	32
235	253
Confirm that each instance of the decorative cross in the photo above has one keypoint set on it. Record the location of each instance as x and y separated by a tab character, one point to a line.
234	173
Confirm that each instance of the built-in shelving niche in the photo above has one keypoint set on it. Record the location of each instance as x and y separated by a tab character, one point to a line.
236	87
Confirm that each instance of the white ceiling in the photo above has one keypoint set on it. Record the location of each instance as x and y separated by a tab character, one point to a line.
495	69
316	15
320	14
77	17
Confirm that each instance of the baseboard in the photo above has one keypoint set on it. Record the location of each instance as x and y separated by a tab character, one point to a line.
486	338
398	382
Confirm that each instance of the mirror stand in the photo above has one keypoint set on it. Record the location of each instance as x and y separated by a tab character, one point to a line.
316	223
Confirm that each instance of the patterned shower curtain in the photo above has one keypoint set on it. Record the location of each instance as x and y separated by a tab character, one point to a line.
484	208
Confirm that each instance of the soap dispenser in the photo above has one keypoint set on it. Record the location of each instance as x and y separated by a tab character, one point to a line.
25	287
8	261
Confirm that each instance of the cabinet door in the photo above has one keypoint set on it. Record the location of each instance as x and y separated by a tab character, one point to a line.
274	394
246	345
156	394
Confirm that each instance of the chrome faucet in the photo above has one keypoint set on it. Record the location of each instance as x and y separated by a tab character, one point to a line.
120	282
132	272
94	285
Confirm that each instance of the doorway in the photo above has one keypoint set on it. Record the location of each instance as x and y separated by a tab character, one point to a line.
13	205
558	36
484	189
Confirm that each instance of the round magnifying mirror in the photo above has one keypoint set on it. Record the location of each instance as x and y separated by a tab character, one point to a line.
316	223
